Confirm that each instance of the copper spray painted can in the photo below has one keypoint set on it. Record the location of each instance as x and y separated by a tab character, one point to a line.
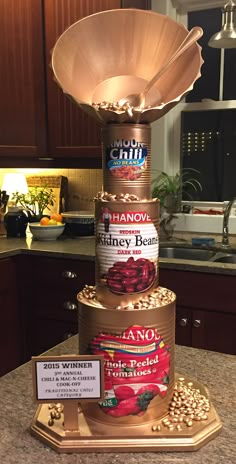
126	151
138	349
127	248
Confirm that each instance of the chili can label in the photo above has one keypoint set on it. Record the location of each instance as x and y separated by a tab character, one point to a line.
126	248
136	369
126	159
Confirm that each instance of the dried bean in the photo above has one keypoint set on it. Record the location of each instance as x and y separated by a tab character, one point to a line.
116	286
129	272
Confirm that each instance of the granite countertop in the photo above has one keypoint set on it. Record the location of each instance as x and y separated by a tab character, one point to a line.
214	370
84	248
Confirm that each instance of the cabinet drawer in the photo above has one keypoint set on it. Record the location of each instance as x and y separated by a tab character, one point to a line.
61	275
46	334
57	305
213	292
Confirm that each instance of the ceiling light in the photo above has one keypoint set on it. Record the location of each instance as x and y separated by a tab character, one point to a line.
226	38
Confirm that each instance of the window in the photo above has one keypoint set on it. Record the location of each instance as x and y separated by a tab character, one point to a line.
208	119
208	144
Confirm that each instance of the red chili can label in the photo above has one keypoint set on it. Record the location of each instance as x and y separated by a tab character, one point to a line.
127	250
136	369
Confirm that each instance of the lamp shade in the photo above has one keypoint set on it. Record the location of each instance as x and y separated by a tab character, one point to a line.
226	38
114	53
14	182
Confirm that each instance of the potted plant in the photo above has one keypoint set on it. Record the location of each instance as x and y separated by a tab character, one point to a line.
35	201
170	189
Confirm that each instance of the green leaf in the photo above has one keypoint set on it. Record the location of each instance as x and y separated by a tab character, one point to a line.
36	200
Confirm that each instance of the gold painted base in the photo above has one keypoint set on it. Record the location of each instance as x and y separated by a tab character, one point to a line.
97	437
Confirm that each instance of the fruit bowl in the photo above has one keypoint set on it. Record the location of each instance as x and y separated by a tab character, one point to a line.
51	232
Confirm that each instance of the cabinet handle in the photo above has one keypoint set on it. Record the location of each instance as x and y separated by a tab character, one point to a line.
70	306
196	323
183	322
67	335
69	275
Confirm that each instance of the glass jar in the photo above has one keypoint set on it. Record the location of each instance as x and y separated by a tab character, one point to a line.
15	221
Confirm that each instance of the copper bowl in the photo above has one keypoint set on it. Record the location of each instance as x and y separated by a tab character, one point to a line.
114	53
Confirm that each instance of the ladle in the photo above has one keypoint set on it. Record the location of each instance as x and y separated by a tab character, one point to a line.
137	100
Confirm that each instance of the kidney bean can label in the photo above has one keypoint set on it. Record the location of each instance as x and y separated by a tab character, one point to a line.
127	249
136	369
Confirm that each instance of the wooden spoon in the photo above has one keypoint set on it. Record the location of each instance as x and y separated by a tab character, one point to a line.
137	100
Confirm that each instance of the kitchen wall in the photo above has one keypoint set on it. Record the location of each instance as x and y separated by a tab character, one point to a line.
83	184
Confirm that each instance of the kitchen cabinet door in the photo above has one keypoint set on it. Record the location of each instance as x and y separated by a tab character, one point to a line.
205	309
53	314
209	330
22	92
39	125
50	333
71	131
12	336
214	331
183	326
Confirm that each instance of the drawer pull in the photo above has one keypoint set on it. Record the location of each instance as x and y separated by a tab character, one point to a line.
183	322
69	275
66	336
70	306
196	323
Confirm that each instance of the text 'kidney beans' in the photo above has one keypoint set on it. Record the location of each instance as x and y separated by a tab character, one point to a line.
131	276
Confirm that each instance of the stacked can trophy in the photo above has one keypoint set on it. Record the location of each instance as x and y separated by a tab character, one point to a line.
127	317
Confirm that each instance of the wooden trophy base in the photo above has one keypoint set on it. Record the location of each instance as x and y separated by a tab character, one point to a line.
94	436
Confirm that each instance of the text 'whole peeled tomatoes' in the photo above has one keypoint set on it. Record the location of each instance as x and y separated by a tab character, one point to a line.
136	369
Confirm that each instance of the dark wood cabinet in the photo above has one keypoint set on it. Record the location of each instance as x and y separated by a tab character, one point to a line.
53	313
39	309
22	90
11	321
71	132
206	309
39	125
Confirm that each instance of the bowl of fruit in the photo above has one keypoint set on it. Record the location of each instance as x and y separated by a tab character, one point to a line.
49	228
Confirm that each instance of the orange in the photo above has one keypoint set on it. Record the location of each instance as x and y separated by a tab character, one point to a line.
57	217
44	221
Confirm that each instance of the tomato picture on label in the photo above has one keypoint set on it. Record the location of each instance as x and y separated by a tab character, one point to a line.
136	369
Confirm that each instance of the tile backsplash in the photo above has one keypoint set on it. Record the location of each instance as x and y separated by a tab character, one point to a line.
83	184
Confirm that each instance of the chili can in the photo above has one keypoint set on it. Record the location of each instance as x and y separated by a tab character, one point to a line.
127	159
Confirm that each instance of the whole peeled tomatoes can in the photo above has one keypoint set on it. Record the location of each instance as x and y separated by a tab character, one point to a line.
127	247
138	351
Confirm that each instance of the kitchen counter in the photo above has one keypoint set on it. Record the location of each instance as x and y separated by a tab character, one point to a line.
216	371
84	248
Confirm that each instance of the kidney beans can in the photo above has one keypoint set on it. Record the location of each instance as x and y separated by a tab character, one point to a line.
127	247
138	350
127	159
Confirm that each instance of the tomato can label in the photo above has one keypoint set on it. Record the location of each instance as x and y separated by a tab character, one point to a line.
136	369
127	246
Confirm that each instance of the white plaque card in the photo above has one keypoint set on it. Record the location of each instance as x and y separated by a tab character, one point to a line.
74	377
